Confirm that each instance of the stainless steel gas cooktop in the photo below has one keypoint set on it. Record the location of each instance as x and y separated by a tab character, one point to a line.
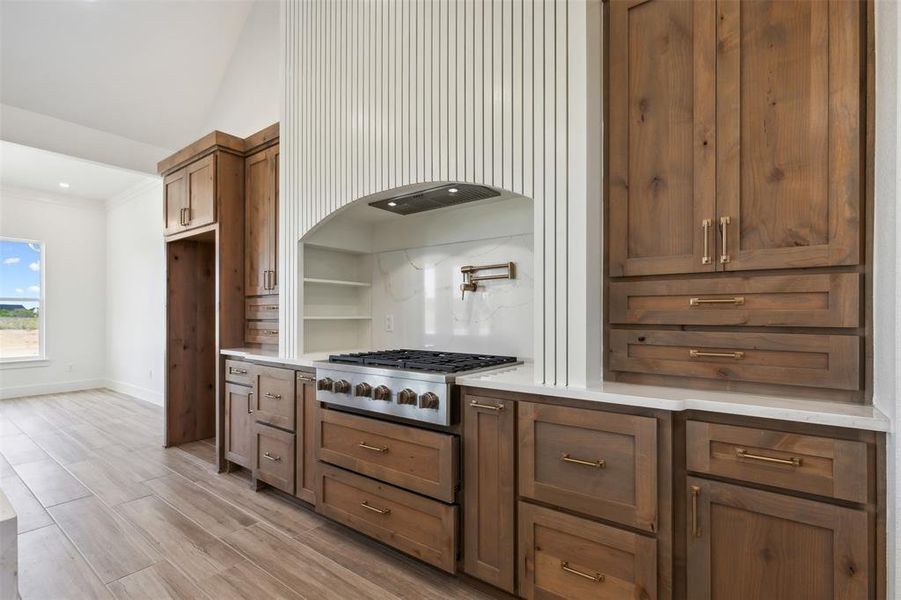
410	384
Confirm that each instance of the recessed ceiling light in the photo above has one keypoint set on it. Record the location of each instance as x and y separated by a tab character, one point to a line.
392	203
453	191
63	184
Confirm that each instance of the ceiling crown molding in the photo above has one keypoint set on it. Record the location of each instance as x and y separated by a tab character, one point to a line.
8	192
135	191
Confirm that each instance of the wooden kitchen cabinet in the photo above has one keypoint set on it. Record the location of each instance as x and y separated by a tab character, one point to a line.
747	544
273	401
239	420
175	200
261	222
305	463
489	487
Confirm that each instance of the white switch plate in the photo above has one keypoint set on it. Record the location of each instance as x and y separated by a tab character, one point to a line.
389	323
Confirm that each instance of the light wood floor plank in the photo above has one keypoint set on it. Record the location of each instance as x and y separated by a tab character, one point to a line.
50	483
51	568
63	448
245	581
29	512
212	513
108	483
19	449
161	581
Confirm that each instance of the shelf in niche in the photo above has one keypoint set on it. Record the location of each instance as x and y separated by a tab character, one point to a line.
336	282
338	318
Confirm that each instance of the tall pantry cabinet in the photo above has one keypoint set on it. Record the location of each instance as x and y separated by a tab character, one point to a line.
736	147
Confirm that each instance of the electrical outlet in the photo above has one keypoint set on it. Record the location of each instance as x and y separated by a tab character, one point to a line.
389	323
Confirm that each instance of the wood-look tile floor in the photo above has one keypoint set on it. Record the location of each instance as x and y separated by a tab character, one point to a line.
106	512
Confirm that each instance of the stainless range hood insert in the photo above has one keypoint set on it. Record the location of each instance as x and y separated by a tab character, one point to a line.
441	196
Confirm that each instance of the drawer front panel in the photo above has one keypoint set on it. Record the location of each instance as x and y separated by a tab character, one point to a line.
825	361
261	332
274	462
562	556
596	463
274	399
415	459
805	463
822	300
262	308
411	523
239	372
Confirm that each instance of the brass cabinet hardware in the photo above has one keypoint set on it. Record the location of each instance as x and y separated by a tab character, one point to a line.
249	403
698	354
475	404
381	511
272	458
306	378
274	307
273	396
706	224
597	464
373	448
236	371
736	300
270	332
187	215
724	225
181	217
695	491
265	280
791	462
597	577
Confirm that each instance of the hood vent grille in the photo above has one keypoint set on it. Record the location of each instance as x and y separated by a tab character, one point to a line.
436	197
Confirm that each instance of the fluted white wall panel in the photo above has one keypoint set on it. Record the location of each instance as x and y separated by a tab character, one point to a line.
384	93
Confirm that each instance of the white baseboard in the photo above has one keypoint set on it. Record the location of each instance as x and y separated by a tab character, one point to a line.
49	388
136	391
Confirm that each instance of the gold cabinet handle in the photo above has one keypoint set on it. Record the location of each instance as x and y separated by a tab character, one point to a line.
271	332
381	511
475	404
699	354
270	308
306	378
188	215
597	577
736	300
706	224
373	448
249	401
597	464
791	462
695	492
724	225
273	396
266	284
181	217
272	458
235	371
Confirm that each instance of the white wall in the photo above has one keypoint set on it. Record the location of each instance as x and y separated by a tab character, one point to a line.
248	97
74	237
136	298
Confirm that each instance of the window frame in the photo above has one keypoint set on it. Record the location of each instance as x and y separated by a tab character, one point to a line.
41	358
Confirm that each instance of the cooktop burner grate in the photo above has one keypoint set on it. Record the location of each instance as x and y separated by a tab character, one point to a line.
423	360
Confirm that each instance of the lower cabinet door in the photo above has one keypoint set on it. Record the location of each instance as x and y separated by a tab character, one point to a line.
489	509
274	462
746	544
305	446
238	425
562	556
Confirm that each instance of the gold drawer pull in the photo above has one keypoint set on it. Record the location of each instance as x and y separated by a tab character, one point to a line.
475	404
381	511
273	396
235	371
699	354
270	332
695	526
272	458
791	462
270	308
705	225
724	224
597	464
736	300
373	448
597	577
306	379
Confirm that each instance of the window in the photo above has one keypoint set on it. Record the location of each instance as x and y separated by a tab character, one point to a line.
21	299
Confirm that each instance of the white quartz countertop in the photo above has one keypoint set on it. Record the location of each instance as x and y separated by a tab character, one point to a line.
269	356
837	414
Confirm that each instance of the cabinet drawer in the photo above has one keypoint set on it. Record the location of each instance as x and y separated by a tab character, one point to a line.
562	556
416	459
411	523
262	308
274	399
593	462
238	372
274	461
806	463
822	300
261	332
824	361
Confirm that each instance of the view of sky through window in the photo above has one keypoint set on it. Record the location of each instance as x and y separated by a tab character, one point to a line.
20	299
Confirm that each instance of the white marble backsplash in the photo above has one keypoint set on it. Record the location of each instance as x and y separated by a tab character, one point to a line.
420	288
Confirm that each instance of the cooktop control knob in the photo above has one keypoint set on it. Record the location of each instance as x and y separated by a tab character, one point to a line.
324	384
341	387
406	396
381	392
429	400
363	389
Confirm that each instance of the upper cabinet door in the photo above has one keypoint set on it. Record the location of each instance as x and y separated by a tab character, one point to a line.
273	219
661	137
201	177
789	134
256	223
175	198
